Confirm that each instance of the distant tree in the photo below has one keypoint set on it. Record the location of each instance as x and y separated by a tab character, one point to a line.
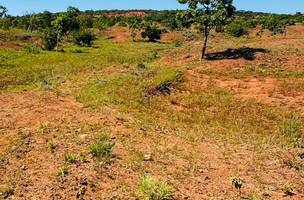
83	38
49	38
135	24
3	11
238	27
151	32
66	23
208	14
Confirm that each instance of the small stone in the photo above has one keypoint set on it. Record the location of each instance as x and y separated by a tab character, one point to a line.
23	167
83	137
148	157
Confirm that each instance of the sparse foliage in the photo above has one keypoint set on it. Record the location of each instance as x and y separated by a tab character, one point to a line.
208	14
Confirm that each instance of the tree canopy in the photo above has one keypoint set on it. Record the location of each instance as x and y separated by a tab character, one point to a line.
3	11
208	14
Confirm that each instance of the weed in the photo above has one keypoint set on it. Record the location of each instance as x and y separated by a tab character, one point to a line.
70	158
151	189
251	197
293	163
63	171
81	192
82	157
32	49
177	43
237	182
6	191
51	146
291	129
288	189
102	147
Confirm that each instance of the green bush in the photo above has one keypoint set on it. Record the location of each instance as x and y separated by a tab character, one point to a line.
49	38
152	33
237	28
83	38
276	24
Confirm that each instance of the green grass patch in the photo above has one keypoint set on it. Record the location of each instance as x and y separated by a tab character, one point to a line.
152	189
20	67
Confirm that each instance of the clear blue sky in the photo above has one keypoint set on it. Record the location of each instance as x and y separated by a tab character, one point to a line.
19	7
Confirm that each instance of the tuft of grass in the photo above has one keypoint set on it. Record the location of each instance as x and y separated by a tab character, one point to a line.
63	171
151	189
292	130
237	182
6	191
164	82
102	147
70	158
288	189
51	146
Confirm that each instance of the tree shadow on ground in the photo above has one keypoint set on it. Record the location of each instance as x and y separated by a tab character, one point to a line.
244	52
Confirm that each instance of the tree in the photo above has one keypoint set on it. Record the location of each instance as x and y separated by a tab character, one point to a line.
135	24
152	32
83	38
66	22
49	38
208	14
3	11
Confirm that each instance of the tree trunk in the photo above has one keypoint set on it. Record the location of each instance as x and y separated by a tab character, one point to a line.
206	34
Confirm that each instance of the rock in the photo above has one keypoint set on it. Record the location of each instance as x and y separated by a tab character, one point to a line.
148	157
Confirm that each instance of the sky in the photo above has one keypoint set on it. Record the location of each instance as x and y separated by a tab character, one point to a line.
20	7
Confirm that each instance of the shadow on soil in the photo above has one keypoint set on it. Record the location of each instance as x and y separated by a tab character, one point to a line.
244	52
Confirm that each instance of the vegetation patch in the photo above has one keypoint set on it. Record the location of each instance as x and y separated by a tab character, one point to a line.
152	189
102	147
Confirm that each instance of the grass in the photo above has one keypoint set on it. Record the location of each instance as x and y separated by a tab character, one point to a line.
19	67
292	129
151	189
102	147
6	191
70	158
158	103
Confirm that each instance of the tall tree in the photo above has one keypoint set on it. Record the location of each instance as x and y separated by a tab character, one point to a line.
208	14
3	11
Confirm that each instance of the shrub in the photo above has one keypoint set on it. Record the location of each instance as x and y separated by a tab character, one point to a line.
102	147
151	189
152	33
237	28
276	24
32	49
49	38
83	38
